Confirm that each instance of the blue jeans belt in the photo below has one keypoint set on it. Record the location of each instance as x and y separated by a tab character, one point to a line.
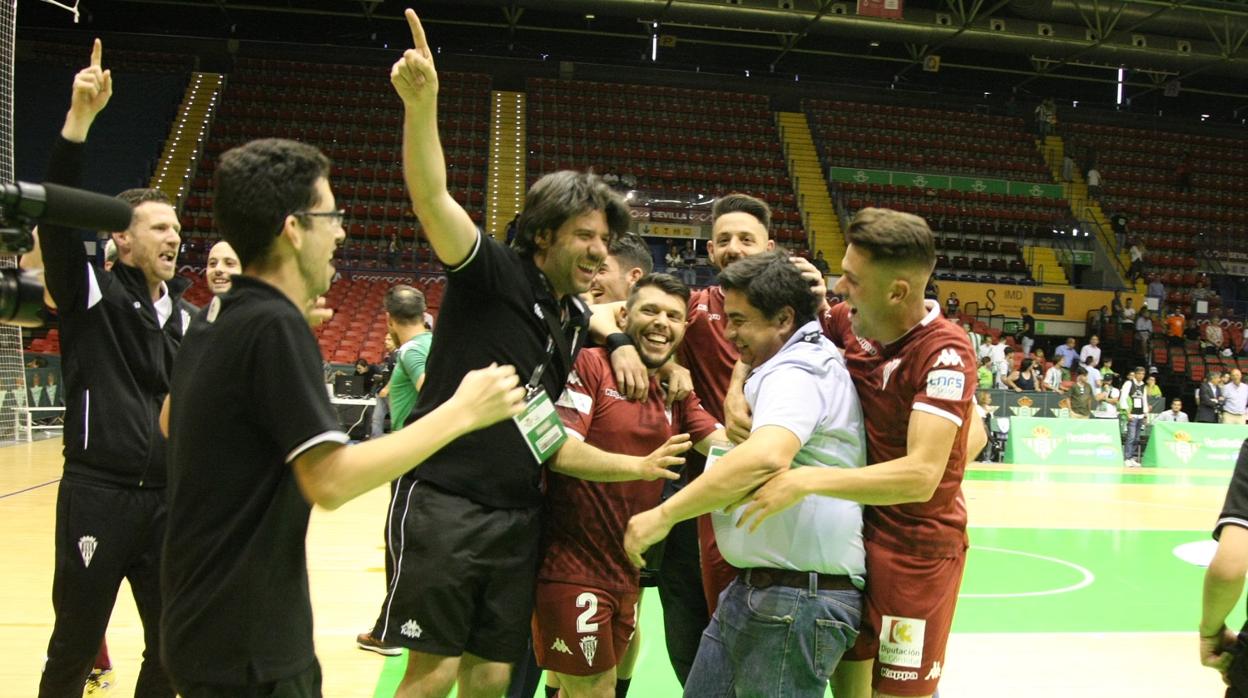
763	577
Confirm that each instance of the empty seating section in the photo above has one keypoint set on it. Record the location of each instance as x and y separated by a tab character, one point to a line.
1140	170
359	328
122	60
676	141
915	139
979	234
351	113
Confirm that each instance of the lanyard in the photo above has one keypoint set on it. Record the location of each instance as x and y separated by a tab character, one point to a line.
557	336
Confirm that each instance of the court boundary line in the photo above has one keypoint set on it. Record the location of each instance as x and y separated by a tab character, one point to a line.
6	495
1088	577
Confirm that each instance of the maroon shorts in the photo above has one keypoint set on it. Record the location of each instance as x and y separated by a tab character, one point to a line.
581	630
906	618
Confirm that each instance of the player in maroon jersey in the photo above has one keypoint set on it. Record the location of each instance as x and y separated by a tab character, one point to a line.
587	589
915	374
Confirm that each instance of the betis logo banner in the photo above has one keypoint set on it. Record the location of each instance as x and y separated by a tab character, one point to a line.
1063	441
1193	445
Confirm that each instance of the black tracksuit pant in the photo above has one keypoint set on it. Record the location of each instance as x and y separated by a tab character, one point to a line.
104	533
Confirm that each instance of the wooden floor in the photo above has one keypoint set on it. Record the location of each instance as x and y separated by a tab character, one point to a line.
345	562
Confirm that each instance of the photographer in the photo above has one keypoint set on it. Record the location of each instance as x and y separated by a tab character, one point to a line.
120	330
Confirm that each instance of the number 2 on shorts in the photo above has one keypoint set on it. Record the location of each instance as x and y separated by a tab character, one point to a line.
589	602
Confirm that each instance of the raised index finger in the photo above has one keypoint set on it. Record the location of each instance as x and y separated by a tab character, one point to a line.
97	53
418	31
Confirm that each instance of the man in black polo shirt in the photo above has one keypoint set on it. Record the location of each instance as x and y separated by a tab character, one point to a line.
254	440
462	596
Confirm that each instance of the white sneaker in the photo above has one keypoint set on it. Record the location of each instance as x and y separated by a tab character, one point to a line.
1132	463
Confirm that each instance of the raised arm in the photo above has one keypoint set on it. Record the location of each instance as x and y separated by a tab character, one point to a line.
64	259
447	225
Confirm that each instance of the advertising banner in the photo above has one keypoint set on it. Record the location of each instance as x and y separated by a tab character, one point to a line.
1193	445
1064	441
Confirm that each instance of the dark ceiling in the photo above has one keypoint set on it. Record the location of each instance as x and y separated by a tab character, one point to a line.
1069	48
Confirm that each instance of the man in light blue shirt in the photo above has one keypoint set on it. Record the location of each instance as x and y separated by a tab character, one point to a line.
1067	356
805	566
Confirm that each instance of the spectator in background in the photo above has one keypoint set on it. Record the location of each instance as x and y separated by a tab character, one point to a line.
985	376
1234	398
978	346
1046	118
1003	367
1025	378
1066	355
1081	395
1150	385
1176	325
997	352
1133	401
1143	329
1053	378
1183	174
1106	400
1115	307
1136	253
1092	349
1068	168
381	402
672	259
1107	367
952	304
1026	332
1209	398
821	264
1128	313
1175	413
1094	183
1213	340
1156	289
1094	374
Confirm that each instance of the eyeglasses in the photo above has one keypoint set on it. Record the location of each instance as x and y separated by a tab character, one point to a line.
335	217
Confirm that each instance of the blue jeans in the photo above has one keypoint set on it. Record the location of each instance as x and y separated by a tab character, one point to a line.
1131	450
774	642
381	408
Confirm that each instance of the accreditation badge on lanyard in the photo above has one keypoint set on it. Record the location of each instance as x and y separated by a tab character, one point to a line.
539	423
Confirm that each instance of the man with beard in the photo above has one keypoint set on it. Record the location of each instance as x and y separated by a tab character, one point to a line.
628	259
588	592
740	228
783	623
461	599
915	374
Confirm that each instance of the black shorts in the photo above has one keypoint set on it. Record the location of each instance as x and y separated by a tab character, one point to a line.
464	577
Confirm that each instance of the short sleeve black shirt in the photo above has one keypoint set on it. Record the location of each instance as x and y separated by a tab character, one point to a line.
247	399
1235	508
494	311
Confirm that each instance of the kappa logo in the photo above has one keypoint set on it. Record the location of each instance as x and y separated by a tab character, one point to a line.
948	357
411	629
87	546
888	372
560	646
895	675
613	393
934	673
589	647
537	310
866	345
